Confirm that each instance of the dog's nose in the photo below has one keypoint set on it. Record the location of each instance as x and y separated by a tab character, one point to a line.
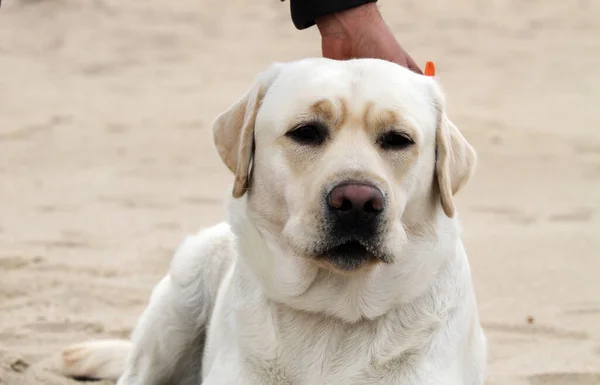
356	204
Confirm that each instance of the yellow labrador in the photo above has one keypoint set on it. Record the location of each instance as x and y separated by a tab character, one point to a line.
341	261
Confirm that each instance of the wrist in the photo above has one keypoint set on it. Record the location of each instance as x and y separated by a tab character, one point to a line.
350	21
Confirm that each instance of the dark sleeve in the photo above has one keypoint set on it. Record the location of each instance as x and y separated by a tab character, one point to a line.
304	12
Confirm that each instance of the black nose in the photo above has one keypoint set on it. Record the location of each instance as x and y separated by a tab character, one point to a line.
356	206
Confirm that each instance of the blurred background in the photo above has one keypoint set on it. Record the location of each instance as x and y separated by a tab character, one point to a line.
106	161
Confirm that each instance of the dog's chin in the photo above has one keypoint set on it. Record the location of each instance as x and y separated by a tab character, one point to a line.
349	257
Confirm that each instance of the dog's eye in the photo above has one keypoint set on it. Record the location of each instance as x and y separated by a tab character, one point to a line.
394	141
309	134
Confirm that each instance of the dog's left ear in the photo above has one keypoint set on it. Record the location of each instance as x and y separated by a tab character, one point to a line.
455	158
233	130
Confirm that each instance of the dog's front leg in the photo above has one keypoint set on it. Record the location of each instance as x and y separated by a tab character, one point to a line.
228	369
167	342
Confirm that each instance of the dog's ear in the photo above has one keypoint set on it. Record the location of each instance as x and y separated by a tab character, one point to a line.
455	158
233	130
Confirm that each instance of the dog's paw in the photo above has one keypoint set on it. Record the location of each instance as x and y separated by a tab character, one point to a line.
95	359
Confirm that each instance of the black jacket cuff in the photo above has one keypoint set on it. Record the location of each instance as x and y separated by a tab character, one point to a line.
305	12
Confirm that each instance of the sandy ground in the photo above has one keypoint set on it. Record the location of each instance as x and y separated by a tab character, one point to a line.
106	162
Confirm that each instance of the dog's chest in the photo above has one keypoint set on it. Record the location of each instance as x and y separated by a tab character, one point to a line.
313	351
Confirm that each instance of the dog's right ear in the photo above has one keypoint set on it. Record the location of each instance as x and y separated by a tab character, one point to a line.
233	130
455	157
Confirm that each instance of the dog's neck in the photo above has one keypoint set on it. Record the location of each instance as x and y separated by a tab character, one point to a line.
300	284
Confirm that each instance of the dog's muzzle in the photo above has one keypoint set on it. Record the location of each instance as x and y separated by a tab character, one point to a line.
354	217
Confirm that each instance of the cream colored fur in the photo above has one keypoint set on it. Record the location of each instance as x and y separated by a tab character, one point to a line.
244	302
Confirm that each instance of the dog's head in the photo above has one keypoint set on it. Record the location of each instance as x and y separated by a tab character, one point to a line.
343	161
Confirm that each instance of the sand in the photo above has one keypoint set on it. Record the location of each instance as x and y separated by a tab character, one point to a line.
106	162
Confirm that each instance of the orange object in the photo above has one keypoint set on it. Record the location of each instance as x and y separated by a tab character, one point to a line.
429	69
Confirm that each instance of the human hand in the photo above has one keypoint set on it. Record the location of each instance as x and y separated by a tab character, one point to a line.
361	32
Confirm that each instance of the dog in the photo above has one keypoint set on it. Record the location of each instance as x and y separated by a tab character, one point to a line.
341	261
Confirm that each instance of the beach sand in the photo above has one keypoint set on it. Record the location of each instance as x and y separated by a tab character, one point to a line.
106	162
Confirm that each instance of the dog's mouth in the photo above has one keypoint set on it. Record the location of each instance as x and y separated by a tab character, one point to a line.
350	256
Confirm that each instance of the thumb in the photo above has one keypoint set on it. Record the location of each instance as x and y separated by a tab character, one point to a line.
410	63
